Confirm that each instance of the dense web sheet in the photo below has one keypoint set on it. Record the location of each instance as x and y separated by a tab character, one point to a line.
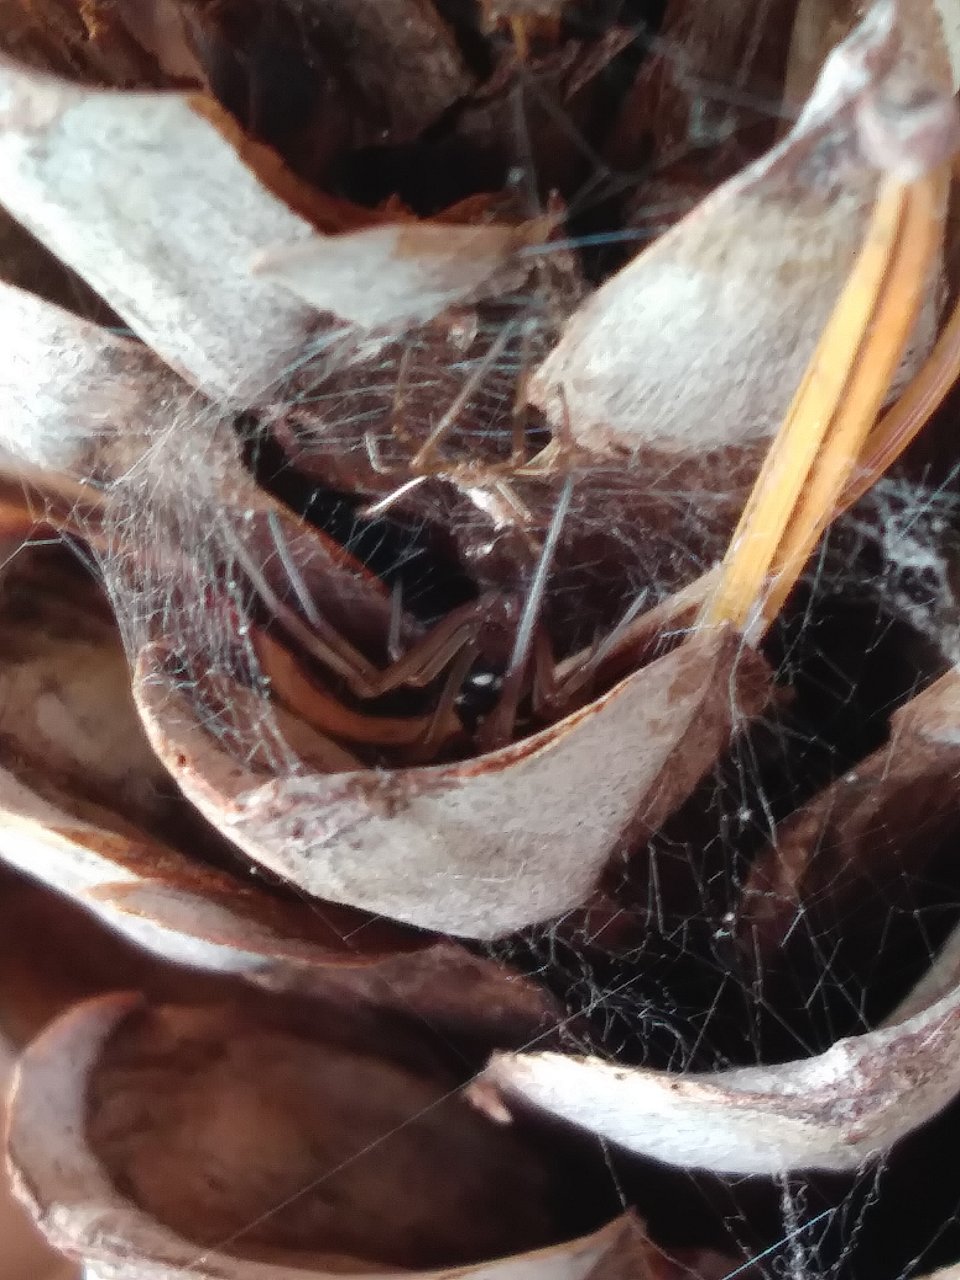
698	951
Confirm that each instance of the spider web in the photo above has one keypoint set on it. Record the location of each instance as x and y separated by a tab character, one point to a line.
681	995
874	619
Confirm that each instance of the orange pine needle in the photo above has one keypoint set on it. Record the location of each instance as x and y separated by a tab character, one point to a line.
898	306
834	409
518	29
904	421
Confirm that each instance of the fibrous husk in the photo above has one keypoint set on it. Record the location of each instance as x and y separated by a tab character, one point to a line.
61	942
237	1145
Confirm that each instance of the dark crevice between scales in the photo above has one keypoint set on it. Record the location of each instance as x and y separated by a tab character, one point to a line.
397	551
844	664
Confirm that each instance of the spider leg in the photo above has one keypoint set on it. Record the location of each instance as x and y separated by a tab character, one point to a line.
638	637
498	727
307	698
319	639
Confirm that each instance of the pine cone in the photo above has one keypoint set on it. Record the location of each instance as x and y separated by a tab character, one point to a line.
478	729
